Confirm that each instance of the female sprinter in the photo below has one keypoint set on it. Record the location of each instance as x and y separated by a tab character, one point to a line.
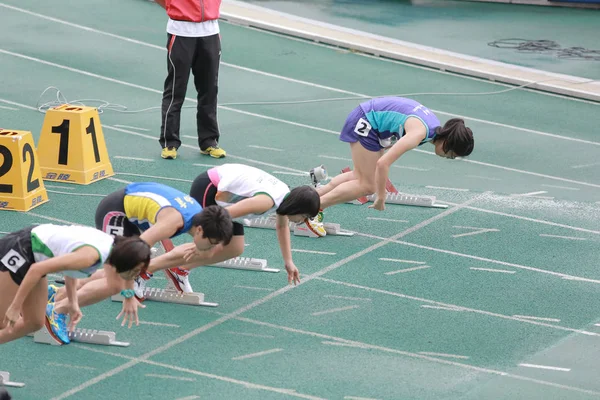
379	132
245	191
154	212
28	255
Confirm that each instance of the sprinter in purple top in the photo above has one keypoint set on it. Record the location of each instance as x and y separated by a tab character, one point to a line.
379	132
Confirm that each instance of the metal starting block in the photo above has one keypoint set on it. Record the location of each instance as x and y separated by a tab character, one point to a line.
406	199
394	197
299	230
245	263
89	336
5	380
171	295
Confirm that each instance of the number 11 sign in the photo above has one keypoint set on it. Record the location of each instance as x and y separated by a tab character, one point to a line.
71	147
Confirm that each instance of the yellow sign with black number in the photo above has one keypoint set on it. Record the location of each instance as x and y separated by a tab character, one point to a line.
21	185
72	147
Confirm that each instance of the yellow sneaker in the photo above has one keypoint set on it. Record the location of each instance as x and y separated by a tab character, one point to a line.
214	151
316	226
169	153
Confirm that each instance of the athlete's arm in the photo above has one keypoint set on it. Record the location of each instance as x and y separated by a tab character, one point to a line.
415	133
168	222
81	258
282	227
257	204
161	3
74	310
171	259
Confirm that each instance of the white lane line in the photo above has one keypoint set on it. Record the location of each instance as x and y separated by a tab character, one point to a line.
331	296
484	177
504	271
334	310
254	288
545	367
442	308
53	364
133	158
259	354
562	237
429	353
476	231
400	271
402	261
135	128
527	194
290	173
154	176
175	378
537	318
119	180
447	188
59	187
586	165
264	148
344	344
559	187
327	253
387	219
158	324
251	335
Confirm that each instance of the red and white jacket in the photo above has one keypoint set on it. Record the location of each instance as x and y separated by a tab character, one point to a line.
193	10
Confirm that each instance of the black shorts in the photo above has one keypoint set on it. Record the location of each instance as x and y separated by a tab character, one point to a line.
16	255
204	192
111	218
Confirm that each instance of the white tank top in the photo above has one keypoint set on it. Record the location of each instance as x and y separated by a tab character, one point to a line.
49	240
236	182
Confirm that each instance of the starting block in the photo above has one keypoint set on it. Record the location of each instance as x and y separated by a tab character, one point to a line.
245	263
72	147
171	295
395	197
89	336
5	380
21	184
299	230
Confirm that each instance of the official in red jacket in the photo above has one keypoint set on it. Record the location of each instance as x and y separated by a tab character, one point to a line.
194	43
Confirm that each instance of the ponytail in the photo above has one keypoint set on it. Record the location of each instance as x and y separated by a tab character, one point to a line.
456	136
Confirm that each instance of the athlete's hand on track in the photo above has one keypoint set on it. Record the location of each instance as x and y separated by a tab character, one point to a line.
75	316
11	317
293	274
130	311
378	204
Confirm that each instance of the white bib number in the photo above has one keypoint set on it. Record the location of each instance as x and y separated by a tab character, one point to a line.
362	127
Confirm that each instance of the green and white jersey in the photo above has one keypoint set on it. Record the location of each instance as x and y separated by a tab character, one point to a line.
49	240
236	182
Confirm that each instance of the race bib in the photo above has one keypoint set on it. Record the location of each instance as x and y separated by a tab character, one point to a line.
13	261
362	127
